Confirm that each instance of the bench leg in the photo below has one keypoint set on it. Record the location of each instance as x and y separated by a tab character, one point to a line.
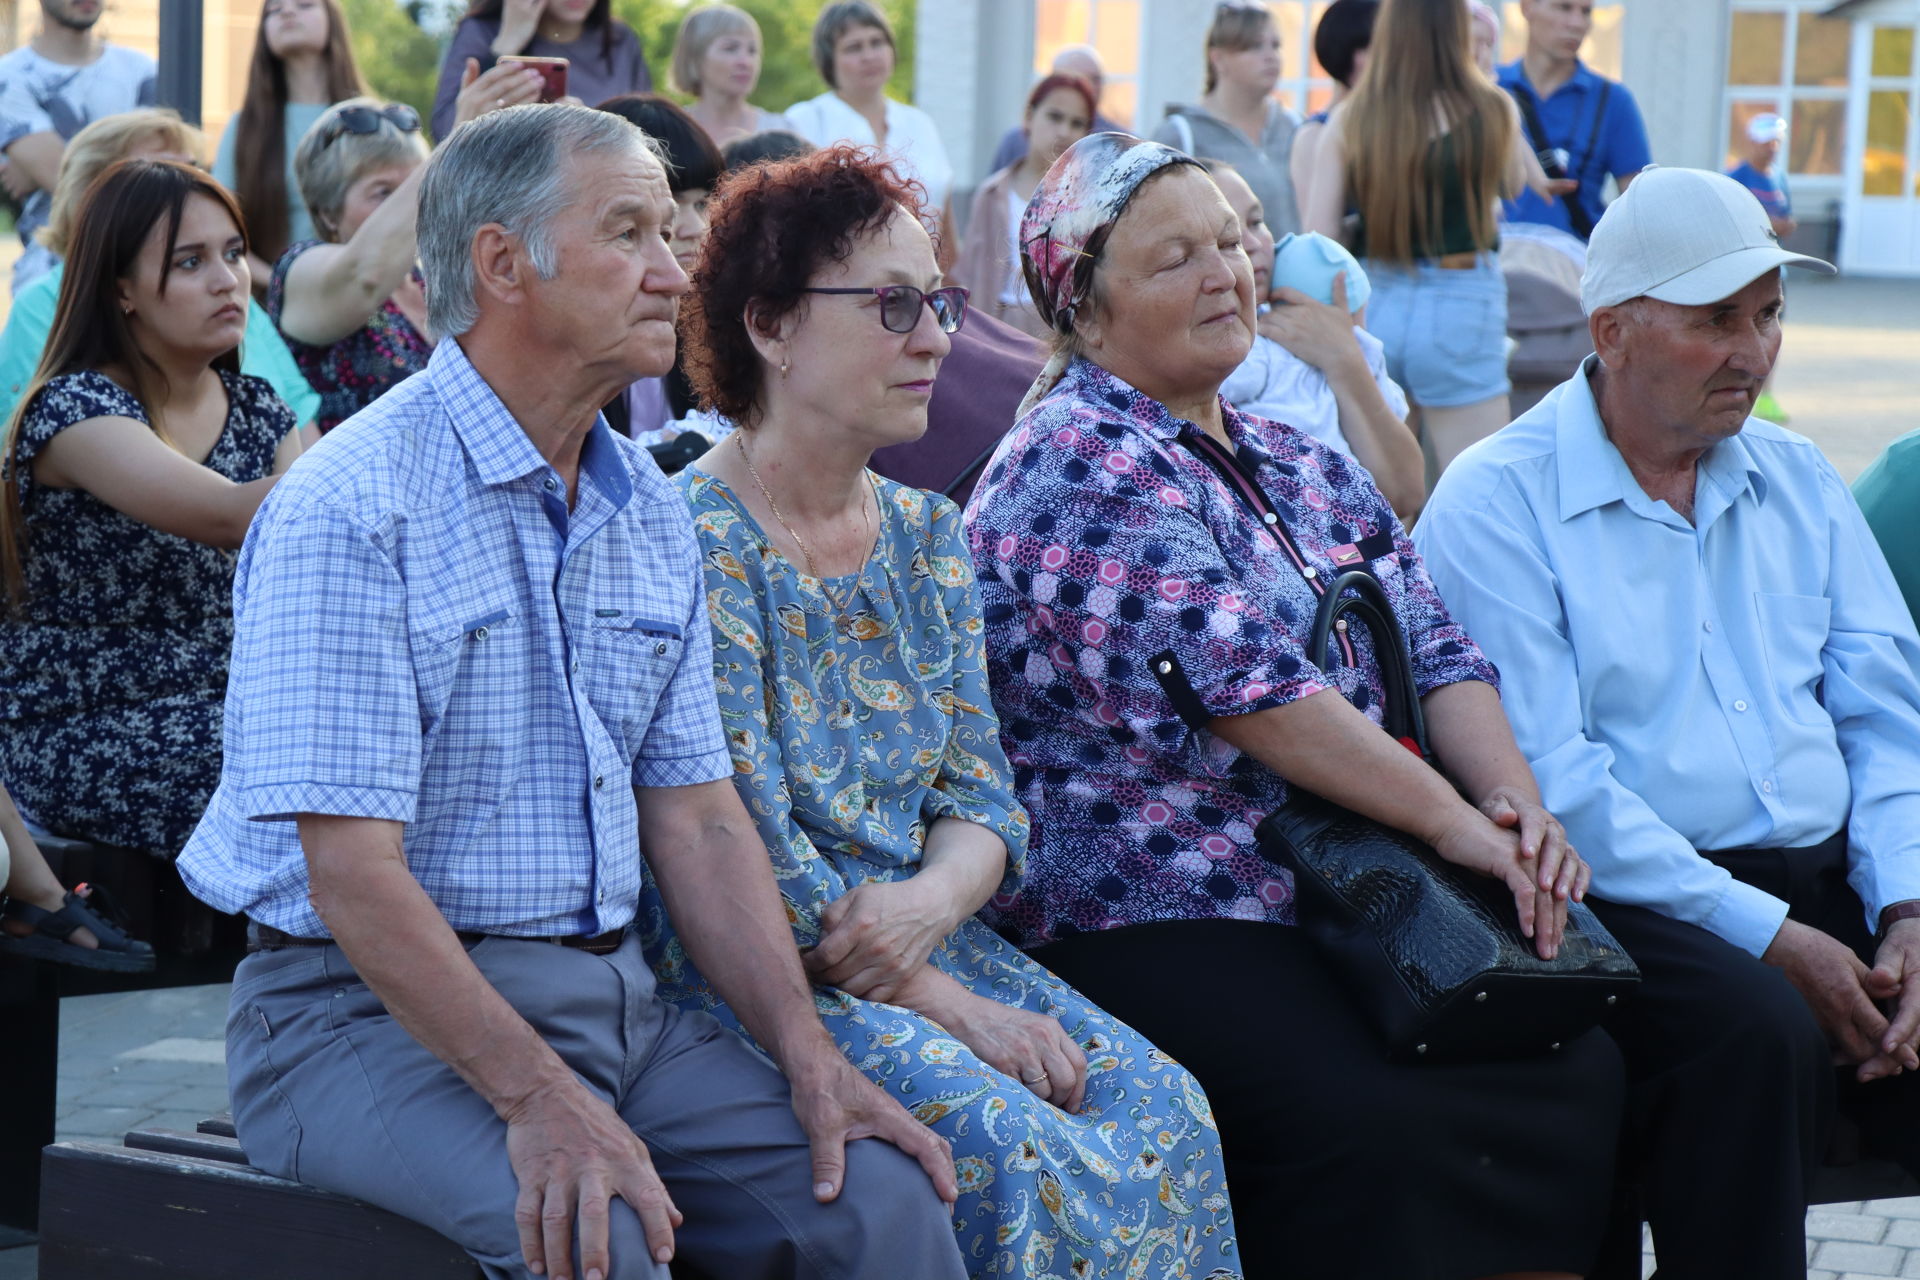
29	1083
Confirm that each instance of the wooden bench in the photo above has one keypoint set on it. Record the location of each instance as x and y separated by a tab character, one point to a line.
194	946
187	1206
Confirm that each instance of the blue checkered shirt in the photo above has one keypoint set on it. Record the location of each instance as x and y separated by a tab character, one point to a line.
425	633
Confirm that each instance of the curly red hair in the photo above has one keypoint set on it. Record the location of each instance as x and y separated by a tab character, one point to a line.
773	226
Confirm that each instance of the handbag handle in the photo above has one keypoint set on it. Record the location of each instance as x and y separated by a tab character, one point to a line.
1359	594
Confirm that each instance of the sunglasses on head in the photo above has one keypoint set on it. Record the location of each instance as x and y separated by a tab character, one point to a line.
368	119
900	305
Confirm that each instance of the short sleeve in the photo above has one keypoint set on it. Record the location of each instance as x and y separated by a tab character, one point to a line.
1627	149
20	113
975	783
69	399
324	709
223	170
265	356
29	321
685	744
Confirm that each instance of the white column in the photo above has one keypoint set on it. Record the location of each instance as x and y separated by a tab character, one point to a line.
973	64
1674	58
1172	57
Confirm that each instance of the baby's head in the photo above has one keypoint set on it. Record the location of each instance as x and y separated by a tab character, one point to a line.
1310	262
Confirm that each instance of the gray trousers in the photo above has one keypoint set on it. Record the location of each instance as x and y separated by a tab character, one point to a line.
329	1090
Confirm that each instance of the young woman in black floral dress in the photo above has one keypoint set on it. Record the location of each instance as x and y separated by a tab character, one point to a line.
134	465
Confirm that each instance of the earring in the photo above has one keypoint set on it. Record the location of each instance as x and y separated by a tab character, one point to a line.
784	368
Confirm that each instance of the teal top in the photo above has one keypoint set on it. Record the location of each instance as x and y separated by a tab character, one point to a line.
1889	494
262	352
300	117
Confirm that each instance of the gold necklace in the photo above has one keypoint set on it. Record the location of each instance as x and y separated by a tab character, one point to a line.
839	607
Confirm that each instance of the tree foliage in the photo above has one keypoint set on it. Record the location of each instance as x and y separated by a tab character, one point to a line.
401	59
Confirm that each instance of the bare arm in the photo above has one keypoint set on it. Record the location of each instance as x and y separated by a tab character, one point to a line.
125	465
1323	744
1382	442
718	888
333	289
36	158
1325	201
876	936
570	1150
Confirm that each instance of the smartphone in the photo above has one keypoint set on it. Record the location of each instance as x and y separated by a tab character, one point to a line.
553	72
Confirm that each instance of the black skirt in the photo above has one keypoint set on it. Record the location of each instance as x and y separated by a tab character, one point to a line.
1342	1165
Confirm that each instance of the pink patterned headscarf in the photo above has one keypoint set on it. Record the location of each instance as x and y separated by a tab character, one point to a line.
1067	223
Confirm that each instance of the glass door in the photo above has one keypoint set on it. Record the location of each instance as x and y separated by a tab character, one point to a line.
1882	232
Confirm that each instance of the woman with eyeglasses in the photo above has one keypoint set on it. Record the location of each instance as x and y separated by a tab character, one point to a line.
302	63
134	465
852	685
350	304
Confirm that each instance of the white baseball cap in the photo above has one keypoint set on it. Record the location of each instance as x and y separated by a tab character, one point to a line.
1767	127
1685	236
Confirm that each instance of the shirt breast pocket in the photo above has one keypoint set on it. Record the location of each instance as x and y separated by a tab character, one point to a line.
627	664
1793	634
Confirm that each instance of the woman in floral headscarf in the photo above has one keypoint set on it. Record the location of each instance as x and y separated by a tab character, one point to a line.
1150	560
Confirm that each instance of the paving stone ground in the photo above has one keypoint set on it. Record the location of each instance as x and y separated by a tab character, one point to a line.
1847	375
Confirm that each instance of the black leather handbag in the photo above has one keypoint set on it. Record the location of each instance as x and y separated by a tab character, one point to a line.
1432	952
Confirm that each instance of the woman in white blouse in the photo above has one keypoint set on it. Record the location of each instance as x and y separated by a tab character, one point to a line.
853	50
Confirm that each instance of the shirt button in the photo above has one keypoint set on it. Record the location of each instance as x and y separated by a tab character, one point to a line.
1309	573
661	648
1166	668
1708	624
548	484
599	781
480	633
575	668
1767	787
1271	518
1739	704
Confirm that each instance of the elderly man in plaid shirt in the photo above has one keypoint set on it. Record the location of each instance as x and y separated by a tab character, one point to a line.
470	690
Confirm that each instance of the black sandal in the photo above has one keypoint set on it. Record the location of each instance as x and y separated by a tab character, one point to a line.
52	936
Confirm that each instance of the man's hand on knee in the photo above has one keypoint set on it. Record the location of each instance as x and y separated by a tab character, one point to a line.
1835	985
572	1153
836	1104
1896	977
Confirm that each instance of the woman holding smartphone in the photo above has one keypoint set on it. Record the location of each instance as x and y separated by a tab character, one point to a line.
603	54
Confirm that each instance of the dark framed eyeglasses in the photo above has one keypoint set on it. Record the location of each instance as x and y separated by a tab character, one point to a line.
368	120
900	305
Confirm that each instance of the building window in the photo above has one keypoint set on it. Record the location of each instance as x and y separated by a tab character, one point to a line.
1784	57
1110	26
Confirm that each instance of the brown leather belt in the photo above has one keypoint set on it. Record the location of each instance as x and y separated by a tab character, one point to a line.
264	937
1456	261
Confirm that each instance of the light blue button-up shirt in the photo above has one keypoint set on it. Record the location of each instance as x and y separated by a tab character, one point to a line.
424	632
1746	680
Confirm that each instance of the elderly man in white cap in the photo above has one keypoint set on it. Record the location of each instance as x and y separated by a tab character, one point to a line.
1709	667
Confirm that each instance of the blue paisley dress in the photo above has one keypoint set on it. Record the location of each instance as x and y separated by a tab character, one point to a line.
114	673
845	748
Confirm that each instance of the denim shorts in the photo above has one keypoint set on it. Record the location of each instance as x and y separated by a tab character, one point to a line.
1445	331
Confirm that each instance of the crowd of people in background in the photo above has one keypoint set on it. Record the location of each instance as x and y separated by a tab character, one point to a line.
915	734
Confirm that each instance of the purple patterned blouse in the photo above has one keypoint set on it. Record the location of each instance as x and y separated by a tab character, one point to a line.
1107	550
360	368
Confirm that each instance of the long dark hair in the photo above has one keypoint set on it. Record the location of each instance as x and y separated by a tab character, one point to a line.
601	16
90	329
260	137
